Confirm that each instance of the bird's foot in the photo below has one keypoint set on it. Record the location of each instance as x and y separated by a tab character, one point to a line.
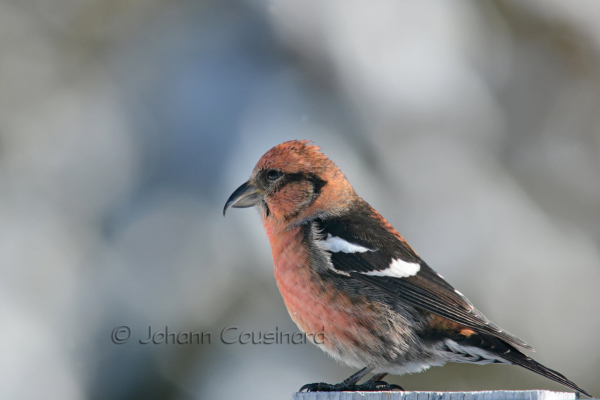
369	386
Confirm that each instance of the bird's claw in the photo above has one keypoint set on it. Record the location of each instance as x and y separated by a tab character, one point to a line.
378	386
317	387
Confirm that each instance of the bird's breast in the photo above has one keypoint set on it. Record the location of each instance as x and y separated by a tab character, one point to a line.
336	322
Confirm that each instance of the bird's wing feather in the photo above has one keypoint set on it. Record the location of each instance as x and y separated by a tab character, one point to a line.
365	247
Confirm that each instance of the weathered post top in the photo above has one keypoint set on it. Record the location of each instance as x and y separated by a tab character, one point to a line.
484	395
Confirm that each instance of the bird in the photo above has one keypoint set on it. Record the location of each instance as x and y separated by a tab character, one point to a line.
344	272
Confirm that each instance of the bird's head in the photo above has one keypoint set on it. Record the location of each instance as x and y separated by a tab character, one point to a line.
292	182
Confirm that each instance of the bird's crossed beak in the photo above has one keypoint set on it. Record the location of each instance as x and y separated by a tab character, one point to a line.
246	195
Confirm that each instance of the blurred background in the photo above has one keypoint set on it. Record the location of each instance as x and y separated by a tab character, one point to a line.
473	127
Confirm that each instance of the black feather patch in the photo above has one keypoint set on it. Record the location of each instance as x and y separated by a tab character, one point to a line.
317	183
358	228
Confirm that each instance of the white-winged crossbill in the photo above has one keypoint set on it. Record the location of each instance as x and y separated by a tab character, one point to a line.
343	270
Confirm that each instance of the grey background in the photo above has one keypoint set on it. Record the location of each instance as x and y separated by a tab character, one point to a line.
473	127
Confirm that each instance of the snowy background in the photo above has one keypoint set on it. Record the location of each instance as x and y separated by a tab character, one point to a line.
473	127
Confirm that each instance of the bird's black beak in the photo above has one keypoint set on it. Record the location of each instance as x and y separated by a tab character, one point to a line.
246	195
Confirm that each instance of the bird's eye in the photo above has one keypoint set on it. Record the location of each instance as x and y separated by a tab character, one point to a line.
273	175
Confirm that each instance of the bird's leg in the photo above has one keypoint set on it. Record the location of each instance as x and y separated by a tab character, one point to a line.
378	377
350	384
354	378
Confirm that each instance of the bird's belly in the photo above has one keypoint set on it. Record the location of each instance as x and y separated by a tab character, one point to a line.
337	331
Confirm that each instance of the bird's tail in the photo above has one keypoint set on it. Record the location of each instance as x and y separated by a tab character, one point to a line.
518	358
505	352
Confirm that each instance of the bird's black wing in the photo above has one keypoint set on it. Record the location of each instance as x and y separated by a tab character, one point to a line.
364	246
